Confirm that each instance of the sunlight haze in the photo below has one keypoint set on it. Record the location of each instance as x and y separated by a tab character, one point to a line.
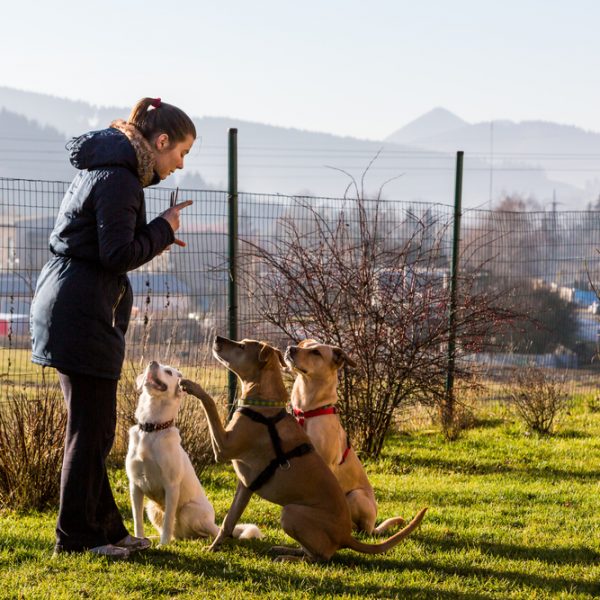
345	67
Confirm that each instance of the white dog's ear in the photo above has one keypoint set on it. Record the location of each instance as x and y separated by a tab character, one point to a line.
139	382
340	357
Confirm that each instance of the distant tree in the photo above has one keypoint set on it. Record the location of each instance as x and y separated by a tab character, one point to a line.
516	203
543	321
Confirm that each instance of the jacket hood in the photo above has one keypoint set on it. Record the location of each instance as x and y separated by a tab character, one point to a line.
121	145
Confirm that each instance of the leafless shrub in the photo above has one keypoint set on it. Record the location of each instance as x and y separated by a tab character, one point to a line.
32	431
539	398
374	281
463	416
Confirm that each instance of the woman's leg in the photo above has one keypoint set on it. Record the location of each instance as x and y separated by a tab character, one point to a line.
88	515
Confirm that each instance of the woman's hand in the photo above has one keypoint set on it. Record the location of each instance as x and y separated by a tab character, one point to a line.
171	216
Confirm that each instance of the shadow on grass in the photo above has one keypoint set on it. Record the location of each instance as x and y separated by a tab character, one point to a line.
545	579
565	555
275	577
221	565
539	581
492	468
572	434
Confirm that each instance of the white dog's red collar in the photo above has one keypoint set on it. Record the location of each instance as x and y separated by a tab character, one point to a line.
150	427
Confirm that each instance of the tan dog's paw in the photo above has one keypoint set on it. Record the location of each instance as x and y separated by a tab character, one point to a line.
191	387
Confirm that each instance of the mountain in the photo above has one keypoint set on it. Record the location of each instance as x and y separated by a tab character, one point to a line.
29	150
417	161
565	153
435	122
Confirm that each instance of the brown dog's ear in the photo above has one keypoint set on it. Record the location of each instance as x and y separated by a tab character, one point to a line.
340	357
305	343
280	357
267	351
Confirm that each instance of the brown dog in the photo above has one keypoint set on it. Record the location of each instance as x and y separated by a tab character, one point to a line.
315	512
314	399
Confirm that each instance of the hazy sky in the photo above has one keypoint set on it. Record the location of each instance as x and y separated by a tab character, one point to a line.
360	68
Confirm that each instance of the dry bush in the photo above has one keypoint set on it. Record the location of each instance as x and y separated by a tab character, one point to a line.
191	423
418	417
32	433
538	398
374	282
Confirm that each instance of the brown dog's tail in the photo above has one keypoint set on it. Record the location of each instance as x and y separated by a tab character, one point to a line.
354	544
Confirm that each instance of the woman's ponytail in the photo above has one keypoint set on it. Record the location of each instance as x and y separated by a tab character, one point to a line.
152	117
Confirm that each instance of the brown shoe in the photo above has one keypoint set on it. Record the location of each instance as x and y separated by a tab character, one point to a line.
133	543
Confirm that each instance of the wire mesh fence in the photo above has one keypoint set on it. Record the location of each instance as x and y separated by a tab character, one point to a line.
543	264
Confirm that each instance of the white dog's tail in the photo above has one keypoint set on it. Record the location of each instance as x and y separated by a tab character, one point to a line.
247	532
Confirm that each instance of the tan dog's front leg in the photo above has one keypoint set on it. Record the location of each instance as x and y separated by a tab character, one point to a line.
222	440
240	501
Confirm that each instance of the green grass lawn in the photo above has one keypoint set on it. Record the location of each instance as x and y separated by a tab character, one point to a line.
511	516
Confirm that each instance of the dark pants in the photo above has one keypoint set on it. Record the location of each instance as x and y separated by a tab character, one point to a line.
88	516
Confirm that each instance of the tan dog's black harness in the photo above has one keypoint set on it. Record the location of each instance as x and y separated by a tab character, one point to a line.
282	459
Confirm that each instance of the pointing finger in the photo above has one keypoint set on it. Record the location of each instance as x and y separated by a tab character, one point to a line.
184	204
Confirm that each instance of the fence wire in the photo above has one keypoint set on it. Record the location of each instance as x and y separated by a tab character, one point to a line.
547	262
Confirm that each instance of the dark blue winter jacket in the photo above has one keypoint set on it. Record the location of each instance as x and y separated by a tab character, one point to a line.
82	304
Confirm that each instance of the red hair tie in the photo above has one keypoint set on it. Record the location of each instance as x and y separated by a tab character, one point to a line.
155	102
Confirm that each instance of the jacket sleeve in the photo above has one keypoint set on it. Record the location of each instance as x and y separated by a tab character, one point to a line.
122	246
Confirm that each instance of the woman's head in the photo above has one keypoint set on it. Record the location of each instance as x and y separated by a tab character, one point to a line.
169	131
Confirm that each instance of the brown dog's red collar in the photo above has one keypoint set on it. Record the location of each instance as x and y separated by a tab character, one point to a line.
301	416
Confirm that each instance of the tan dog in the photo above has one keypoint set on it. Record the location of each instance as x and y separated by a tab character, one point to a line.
315	512
159	468
314	399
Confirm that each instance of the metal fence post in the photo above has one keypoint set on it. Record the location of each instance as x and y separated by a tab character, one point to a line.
233	244
448	404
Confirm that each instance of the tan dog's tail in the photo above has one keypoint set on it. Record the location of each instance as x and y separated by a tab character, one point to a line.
388	524
354	544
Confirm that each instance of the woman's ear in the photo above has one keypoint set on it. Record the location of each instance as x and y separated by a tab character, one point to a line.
161	141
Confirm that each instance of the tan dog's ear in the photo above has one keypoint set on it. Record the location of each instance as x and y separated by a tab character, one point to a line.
340	357
305	343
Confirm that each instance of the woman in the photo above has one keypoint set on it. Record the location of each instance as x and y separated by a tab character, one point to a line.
81	308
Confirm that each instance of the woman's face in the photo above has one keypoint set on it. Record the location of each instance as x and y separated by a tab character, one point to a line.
169	156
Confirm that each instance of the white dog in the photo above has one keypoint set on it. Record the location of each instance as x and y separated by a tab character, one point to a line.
159	468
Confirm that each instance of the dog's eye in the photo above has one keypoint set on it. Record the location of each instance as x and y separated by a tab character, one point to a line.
315	351
242	346
168	372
